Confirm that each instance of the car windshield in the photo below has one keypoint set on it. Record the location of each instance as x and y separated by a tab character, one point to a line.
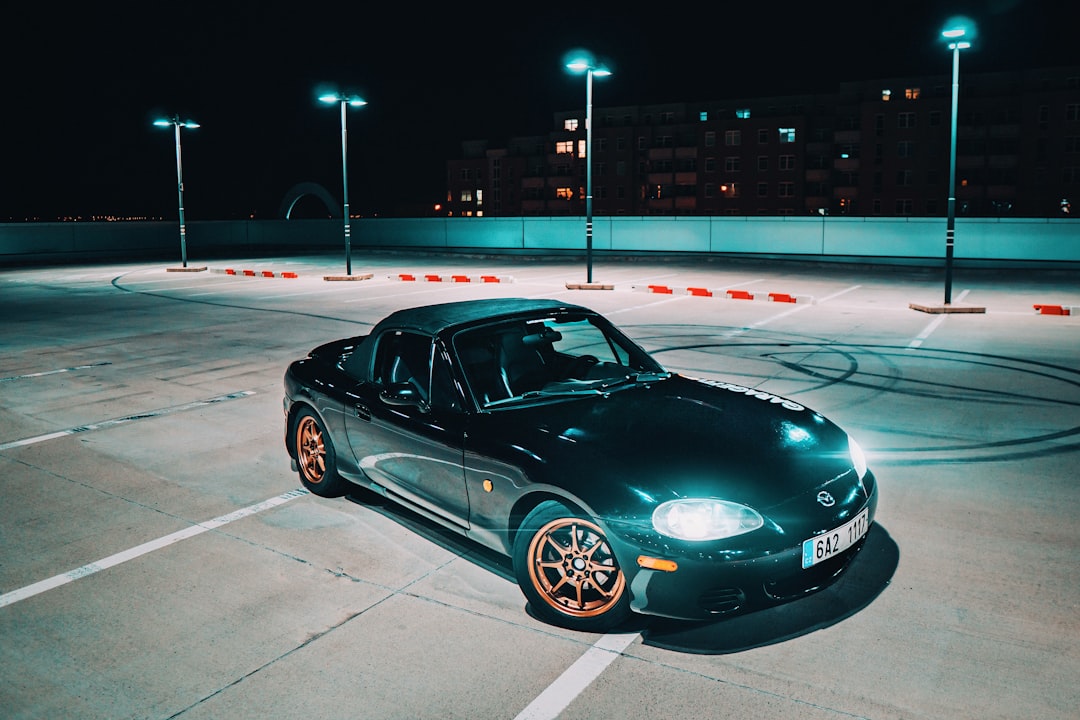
553	357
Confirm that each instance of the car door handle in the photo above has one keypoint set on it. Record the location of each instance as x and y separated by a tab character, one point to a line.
362	411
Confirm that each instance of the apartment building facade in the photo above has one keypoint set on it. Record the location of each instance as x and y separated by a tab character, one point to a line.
871	148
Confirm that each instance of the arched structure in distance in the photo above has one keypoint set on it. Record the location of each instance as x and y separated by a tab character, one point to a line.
300	190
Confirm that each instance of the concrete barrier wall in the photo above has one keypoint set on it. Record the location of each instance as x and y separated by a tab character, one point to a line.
913	240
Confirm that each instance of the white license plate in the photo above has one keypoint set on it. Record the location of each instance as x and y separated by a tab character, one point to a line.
822	547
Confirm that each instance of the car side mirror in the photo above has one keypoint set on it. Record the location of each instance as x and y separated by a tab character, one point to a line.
404	394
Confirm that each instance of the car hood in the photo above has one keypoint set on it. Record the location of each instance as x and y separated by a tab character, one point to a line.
678	437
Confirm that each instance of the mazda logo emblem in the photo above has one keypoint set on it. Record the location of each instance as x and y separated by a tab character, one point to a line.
825	499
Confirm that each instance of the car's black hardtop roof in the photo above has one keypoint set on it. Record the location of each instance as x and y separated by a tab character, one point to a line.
433	319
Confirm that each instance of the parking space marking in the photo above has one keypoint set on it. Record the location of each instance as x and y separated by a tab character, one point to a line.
555	698
46	373
56	581
792	311
123	420
932	326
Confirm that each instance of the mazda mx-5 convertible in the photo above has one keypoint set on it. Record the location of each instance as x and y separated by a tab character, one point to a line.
538	429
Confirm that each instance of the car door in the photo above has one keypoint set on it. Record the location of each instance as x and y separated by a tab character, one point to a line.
406	426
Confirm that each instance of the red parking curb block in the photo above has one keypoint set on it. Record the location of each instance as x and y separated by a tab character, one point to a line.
489	278
699	292
781	297
289	275
1051	309
664	289
267	273
230	271
433	278
459	278
406	277
249	273
740	295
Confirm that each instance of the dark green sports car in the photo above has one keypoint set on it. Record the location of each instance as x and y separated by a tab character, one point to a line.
537	428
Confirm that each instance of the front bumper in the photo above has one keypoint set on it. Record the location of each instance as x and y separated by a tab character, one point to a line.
705	586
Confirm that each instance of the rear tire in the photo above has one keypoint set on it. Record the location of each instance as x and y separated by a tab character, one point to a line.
315	458
566	568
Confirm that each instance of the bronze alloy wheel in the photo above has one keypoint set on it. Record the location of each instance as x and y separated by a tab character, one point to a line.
310	450
315	460
572	568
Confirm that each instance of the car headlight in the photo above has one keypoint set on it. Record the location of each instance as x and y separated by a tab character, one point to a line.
704	519
858	459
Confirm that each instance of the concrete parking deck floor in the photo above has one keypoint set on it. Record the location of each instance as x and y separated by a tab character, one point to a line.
158	561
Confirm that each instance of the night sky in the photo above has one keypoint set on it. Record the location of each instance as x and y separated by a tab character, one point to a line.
83	83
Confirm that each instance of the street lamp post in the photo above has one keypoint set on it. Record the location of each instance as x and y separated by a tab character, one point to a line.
953	35
177	123
823	212
587	65
345	101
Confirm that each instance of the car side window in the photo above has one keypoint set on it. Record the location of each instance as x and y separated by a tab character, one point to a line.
404	357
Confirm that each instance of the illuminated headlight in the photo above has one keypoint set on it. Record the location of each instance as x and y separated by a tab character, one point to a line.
858	459
704	519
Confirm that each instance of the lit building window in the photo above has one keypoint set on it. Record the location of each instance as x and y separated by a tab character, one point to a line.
581	148
911	93
466	196
564	147
570	124
703	116
564	193
787	135
886	95
743	113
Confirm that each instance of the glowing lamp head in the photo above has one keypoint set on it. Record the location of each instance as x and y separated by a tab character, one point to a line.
959	32
163	122
350	100
583	62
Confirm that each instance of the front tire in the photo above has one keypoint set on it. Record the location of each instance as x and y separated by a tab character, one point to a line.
315	458
568	572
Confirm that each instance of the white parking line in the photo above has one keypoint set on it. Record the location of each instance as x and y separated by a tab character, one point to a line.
800	308
123	420
45	373
56	581
577	677
932	326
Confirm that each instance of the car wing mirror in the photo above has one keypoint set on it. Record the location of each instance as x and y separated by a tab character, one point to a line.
404	394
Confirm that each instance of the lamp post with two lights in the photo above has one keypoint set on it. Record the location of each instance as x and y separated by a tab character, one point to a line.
177	123
346	101
586	64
